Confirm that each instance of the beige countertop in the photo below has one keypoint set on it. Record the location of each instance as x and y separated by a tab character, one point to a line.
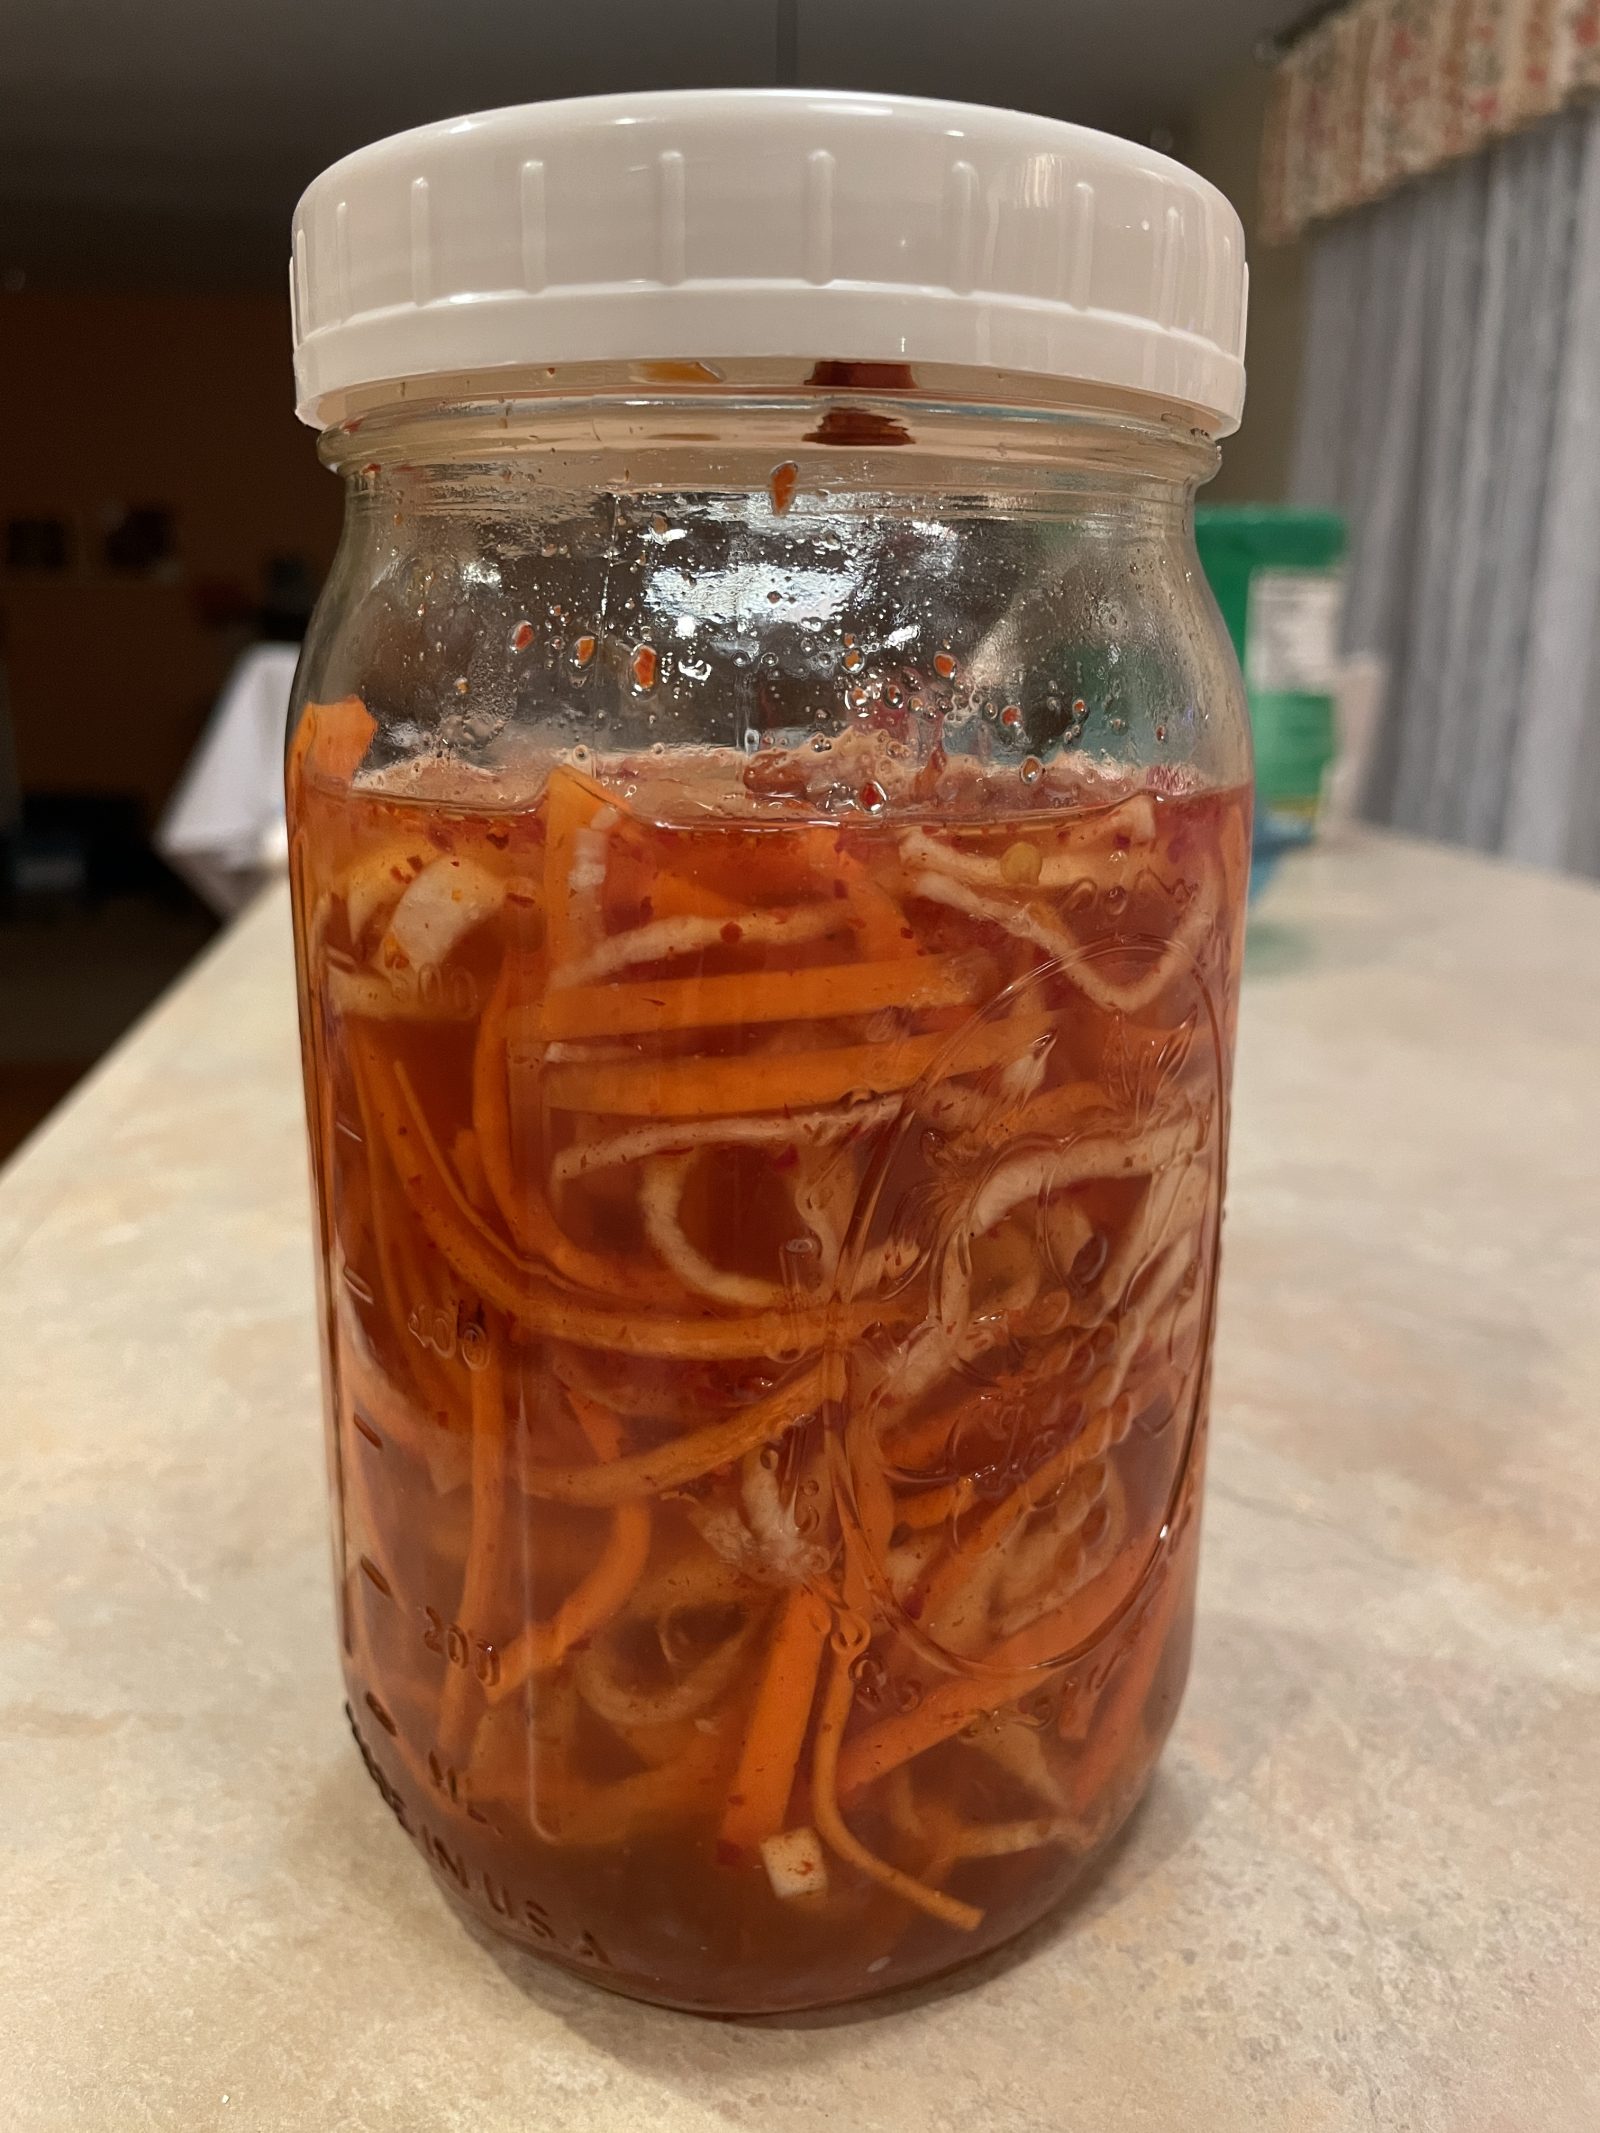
1365	1891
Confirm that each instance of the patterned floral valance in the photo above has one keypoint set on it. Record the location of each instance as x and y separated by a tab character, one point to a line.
1385	90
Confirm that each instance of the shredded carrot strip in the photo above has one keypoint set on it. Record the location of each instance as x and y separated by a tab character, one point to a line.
779	1081
683	1459
962	1584
486	1266
522	1206
491	1103
820	991
1052	1116
1010	1670
840	1838
758	1798
674	896
602	1593
398	1268
481	1578
885	930
330	740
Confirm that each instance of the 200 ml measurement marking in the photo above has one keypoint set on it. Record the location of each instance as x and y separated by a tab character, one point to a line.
460	1648
450	1332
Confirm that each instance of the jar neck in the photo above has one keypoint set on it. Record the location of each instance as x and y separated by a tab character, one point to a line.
871	436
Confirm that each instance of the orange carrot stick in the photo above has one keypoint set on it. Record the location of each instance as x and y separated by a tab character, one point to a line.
682	1459
491	1102
593	1602
885	929
481	1579
779	1081
1011	1669
672	896
485	1265
819	992
330	740
522	1206
1069	1481
758	1799
840	1838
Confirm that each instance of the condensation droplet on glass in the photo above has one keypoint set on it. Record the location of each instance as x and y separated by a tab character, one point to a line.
1031	770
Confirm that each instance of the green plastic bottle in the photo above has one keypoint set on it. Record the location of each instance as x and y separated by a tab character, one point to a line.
1277	575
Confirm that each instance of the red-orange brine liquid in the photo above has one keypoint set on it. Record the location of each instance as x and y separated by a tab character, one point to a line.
768	1267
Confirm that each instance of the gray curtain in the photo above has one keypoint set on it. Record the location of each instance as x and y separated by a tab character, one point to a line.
1450	407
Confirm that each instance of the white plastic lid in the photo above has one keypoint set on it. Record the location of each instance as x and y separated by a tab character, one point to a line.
768	222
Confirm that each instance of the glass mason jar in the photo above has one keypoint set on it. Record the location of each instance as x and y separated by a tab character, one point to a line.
769	843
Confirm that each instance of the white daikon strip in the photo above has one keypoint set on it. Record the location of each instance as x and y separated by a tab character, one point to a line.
441	907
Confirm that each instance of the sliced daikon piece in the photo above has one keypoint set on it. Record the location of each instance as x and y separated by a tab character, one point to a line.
795	1862
441	907
378	883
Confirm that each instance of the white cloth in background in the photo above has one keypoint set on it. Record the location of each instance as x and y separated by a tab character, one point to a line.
1451	410
223	828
